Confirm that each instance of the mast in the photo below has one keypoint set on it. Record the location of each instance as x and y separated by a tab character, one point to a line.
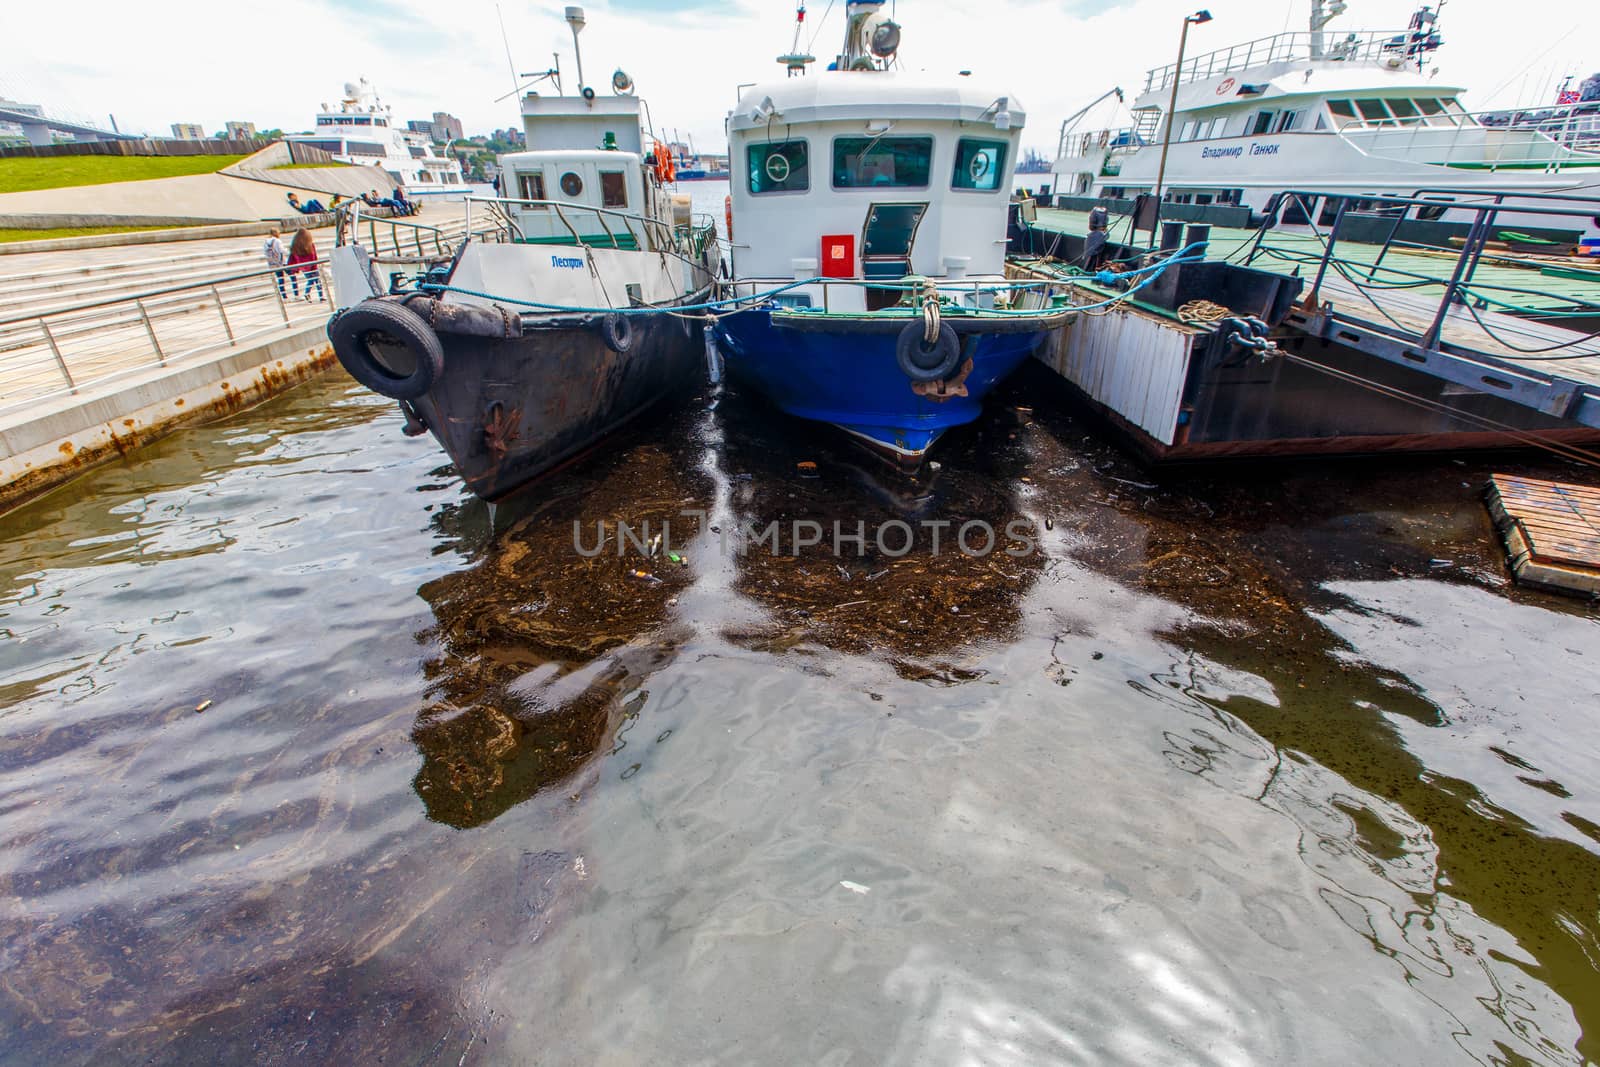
1322	13
870	39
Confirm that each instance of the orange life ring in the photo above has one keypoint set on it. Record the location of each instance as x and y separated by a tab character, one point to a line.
727	212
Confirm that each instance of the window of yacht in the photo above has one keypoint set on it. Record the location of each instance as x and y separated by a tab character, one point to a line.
1433	112
1374	112
1287	121
1344	113
877	162
531	186
1405	111
979	164
1187	133
613	189
1263	122
779	167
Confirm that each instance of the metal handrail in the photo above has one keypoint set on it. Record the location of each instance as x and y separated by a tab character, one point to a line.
142	309
1484	218
146	294
1363	47
559	207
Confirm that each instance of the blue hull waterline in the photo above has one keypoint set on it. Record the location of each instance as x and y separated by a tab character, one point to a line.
849	377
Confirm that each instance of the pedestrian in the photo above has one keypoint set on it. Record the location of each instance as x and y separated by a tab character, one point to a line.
276	256
303	259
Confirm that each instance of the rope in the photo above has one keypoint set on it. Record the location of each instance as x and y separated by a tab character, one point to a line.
1202	311
930	313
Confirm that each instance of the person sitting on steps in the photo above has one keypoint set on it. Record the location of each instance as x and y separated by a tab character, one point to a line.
310	207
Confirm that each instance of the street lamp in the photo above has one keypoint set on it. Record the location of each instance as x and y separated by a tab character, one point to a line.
1172	104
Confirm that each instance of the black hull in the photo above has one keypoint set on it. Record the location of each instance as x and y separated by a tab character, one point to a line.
508	410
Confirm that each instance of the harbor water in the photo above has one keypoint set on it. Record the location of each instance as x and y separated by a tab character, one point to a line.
308	756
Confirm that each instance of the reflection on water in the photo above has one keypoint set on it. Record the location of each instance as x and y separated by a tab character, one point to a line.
1234	769
531	677
907	587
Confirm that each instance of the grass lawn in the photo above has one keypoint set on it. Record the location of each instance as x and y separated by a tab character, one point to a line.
22	173
7	236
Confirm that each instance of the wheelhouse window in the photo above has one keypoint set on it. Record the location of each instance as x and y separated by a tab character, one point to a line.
979	164
1263	123
879	162
1343	112
779	167
1434	113
1405	111
1374	113
531	186
613	189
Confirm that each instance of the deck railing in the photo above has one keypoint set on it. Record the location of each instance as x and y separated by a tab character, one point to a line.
1487	211
592	227
68	349
1389	47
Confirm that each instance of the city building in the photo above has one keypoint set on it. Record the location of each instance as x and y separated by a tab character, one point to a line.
241	131
188	131
446	127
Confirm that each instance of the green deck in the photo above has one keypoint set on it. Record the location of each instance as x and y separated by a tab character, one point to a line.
1528	285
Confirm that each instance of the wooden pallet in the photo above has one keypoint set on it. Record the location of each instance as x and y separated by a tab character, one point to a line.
1551	531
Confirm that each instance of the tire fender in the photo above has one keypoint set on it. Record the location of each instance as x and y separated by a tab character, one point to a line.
363	335
922	362
617	332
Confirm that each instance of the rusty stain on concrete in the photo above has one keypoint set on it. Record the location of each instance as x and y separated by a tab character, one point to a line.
266	384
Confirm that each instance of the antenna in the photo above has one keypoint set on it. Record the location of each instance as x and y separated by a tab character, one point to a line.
507	42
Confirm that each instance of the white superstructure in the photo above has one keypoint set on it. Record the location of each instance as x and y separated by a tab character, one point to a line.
362	130
1353	113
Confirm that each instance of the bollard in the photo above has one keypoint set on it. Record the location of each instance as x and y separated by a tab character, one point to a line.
1199	234
1171	236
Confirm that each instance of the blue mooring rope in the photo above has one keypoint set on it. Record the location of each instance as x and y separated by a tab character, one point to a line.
1104	277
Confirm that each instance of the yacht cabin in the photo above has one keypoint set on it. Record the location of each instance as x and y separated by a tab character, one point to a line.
361	130
874	175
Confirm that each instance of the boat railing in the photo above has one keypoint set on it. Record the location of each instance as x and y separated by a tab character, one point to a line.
577	223
1459	294
389	237
978	293
1549	140
69	349
1097	145
1389	47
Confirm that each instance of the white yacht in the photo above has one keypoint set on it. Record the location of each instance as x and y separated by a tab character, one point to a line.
362	130
1355	113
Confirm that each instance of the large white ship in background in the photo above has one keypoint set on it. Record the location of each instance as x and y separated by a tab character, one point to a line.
362	130
1354	113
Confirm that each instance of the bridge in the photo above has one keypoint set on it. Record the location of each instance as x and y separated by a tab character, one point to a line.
39	128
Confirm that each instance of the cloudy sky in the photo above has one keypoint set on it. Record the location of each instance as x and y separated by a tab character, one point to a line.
163	61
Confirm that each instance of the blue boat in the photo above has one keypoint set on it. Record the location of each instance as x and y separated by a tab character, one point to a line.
868	220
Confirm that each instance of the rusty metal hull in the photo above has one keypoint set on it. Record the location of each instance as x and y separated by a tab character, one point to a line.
508	410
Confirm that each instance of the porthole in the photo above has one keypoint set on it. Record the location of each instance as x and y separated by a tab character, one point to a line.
571	184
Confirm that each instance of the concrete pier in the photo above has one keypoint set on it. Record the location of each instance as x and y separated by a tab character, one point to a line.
103	350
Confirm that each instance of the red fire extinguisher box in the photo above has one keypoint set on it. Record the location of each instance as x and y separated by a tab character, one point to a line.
839	256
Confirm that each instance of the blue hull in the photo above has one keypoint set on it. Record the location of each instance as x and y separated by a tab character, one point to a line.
851	379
